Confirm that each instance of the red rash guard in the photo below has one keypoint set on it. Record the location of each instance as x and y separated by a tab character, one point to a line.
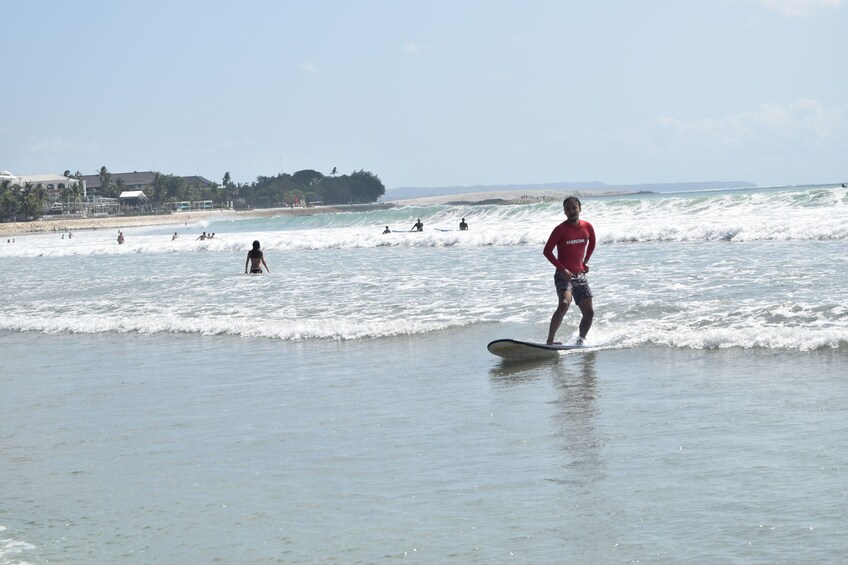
574	245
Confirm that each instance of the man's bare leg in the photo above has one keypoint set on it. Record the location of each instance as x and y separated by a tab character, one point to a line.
564	300
588	311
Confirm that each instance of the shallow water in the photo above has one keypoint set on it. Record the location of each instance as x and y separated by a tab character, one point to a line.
159	406
360	452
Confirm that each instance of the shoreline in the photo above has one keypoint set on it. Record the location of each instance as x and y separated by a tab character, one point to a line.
66	223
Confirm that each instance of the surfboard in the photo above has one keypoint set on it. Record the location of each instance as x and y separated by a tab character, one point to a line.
517	350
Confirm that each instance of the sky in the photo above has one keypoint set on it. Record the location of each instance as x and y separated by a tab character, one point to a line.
430	93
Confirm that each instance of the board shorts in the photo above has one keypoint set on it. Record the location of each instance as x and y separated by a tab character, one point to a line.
255	271
578	285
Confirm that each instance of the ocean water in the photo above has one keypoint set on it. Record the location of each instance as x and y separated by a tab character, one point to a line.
158	405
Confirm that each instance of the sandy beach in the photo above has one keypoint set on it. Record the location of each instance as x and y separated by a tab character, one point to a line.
72	223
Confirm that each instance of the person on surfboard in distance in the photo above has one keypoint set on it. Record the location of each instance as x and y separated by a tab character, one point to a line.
418	226
256	258
574	240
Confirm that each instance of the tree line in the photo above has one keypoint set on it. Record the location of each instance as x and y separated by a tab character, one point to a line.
306	187
21	202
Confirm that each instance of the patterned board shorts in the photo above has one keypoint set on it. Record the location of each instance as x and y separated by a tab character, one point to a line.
578	285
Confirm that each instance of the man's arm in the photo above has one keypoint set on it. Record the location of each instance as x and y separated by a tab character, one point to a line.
548	252
590	249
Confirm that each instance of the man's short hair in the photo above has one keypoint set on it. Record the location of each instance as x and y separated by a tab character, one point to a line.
573	199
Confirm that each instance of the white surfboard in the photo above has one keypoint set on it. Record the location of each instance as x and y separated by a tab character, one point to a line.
517	350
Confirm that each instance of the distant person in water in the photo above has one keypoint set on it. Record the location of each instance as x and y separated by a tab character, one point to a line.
387	230
201	237
418	226
462	225
120	237
256	259
174	236
574	240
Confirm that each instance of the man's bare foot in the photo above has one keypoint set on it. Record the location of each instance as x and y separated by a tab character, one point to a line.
554	343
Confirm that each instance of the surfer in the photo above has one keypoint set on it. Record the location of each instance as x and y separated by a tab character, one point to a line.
174	237
387	230
202	237
574	240
120	237
462	225
256	259
418	226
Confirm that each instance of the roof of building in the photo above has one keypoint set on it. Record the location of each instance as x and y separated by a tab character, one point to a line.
47	178
197	180
127	194
143	177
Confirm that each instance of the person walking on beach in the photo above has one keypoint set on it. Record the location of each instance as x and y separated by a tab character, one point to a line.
256	258
418	226
574	240
462	225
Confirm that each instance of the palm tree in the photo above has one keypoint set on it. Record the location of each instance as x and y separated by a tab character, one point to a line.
105	181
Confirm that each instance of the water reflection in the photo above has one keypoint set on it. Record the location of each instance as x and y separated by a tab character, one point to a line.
576	466
575	425
574	411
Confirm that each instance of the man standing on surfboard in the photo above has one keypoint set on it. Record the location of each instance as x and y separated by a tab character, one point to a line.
574	240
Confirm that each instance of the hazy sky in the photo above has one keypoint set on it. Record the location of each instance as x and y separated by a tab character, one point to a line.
430	92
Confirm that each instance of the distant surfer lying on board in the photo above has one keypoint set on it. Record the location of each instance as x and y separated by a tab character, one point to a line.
256	259
574	240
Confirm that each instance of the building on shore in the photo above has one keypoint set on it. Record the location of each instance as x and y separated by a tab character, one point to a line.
140	180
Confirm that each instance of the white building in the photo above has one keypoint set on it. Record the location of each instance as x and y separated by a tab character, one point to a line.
7	176
49	181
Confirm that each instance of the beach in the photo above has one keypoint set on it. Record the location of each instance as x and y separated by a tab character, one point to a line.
71	223
162	406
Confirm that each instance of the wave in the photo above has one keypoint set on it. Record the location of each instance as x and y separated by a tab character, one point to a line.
11	549
764	215
612	336
752	215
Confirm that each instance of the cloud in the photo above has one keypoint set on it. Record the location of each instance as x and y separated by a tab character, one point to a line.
803	122
414	47
803	118
799	8
309	67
